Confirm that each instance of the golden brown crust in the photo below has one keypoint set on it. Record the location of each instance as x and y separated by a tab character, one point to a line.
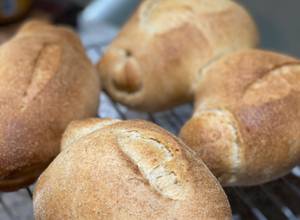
257	95
156	60
127	170
46	82
81	128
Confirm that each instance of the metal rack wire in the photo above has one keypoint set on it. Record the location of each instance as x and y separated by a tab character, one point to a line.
278	200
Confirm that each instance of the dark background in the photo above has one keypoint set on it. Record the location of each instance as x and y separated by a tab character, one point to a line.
278	22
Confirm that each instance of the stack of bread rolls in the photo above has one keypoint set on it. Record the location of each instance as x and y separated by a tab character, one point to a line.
244	127
108	169
246	119
111	169
46	82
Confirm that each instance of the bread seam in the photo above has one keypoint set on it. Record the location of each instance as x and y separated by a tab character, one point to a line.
202	71
144	14
266	73
93	129
235	146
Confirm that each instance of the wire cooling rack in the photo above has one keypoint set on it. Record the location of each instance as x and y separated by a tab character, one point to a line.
278	200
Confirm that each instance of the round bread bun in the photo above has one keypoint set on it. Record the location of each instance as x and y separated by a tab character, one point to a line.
46	81
111	169
247	117
155	61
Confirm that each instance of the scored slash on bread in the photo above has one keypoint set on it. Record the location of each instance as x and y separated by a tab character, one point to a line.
112	169
46	82
156	168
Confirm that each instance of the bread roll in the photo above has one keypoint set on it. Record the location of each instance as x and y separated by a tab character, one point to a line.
46	81
157	59
247	117
112	169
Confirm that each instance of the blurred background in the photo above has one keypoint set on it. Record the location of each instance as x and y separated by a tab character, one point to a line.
277	20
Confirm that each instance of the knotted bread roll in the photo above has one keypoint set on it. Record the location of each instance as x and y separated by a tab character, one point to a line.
111	169
46	81
247	117
157	59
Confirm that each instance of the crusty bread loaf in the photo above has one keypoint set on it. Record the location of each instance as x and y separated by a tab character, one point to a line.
158	57
46	81
247	117
111	169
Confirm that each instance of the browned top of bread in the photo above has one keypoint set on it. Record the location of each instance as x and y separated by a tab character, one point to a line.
247	117
112	169
155	61
46	81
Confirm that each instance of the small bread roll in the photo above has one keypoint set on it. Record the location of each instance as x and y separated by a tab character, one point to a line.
46	81
111	169
157	59
247	117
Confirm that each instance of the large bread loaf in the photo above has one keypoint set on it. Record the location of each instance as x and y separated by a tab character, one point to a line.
46	81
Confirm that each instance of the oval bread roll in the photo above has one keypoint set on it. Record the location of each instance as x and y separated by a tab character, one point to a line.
247	117
46	81
111	169
158	57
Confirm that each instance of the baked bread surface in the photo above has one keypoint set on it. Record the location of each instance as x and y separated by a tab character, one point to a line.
247	117
157	59
46	81
111	169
